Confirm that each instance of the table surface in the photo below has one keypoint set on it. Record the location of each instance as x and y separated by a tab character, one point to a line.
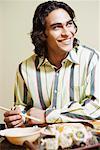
5	145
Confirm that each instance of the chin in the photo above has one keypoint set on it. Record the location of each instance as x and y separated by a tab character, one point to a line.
67	49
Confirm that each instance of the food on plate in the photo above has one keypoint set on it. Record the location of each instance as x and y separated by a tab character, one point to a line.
53	136
67	135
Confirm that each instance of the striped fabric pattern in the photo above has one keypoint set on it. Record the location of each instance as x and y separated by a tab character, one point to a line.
73	90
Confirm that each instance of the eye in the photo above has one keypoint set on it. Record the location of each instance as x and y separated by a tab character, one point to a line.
69	23
56	27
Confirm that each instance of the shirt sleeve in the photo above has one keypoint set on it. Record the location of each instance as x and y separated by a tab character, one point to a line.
22	96
87	108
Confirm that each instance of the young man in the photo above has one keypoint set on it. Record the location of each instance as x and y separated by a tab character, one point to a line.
59	83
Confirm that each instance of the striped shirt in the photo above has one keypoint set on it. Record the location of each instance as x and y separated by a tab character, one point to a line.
67	94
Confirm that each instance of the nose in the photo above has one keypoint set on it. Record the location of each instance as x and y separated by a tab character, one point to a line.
65	31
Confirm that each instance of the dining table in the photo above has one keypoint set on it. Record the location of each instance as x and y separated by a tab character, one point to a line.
6	145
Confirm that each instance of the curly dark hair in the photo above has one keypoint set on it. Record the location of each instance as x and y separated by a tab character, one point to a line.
38	29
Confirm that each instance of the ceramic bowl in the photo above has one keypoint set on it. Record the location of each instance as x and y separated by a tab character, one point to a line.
17	136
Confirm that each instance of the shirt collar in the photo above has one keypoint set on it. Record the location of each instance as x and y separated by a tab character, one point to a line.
43	61
72	57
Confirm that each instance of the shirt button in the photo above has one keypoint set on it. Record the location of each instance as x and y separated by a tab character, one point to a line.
55	91
54	107
57	74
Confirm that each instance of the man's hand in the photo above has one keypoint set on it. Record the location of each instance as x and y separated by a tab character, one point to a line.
13	118
36	113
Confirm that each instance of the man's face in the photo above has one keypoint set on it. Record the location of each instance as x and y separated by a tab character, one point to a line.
60	32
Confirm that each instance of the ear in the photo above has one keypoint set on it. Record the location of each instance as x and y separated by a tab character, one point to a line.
43	36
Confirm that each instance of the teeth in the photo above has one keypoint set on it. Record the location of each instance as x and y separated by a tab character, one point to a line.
66	41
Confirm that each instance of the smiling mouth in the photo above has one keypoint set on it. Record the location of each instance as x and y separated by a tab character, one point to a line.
66	41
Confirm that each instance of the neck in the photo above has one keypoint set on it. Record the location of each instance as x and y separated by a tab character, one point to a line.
57	59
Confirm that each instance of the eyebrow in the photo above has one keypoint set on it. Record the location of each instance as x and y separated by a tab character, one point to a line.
54	24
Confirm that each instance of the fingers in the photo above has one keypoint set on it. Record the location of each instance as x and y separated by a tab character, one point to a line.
12	112
18	123
13	118
14	124
10	118
29	145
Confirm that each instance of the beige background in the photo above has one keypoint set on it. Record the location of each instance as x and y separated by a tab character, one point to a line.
15	43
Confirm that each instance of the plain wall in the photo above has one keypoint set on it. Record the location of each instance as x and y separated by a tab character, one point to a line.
15	43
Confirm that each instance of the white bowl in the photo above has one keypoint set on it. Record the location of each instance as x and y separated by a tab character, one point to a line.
17	136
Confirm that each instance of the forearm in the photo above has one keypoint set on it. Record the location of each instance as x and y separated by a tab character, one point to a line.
74	112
